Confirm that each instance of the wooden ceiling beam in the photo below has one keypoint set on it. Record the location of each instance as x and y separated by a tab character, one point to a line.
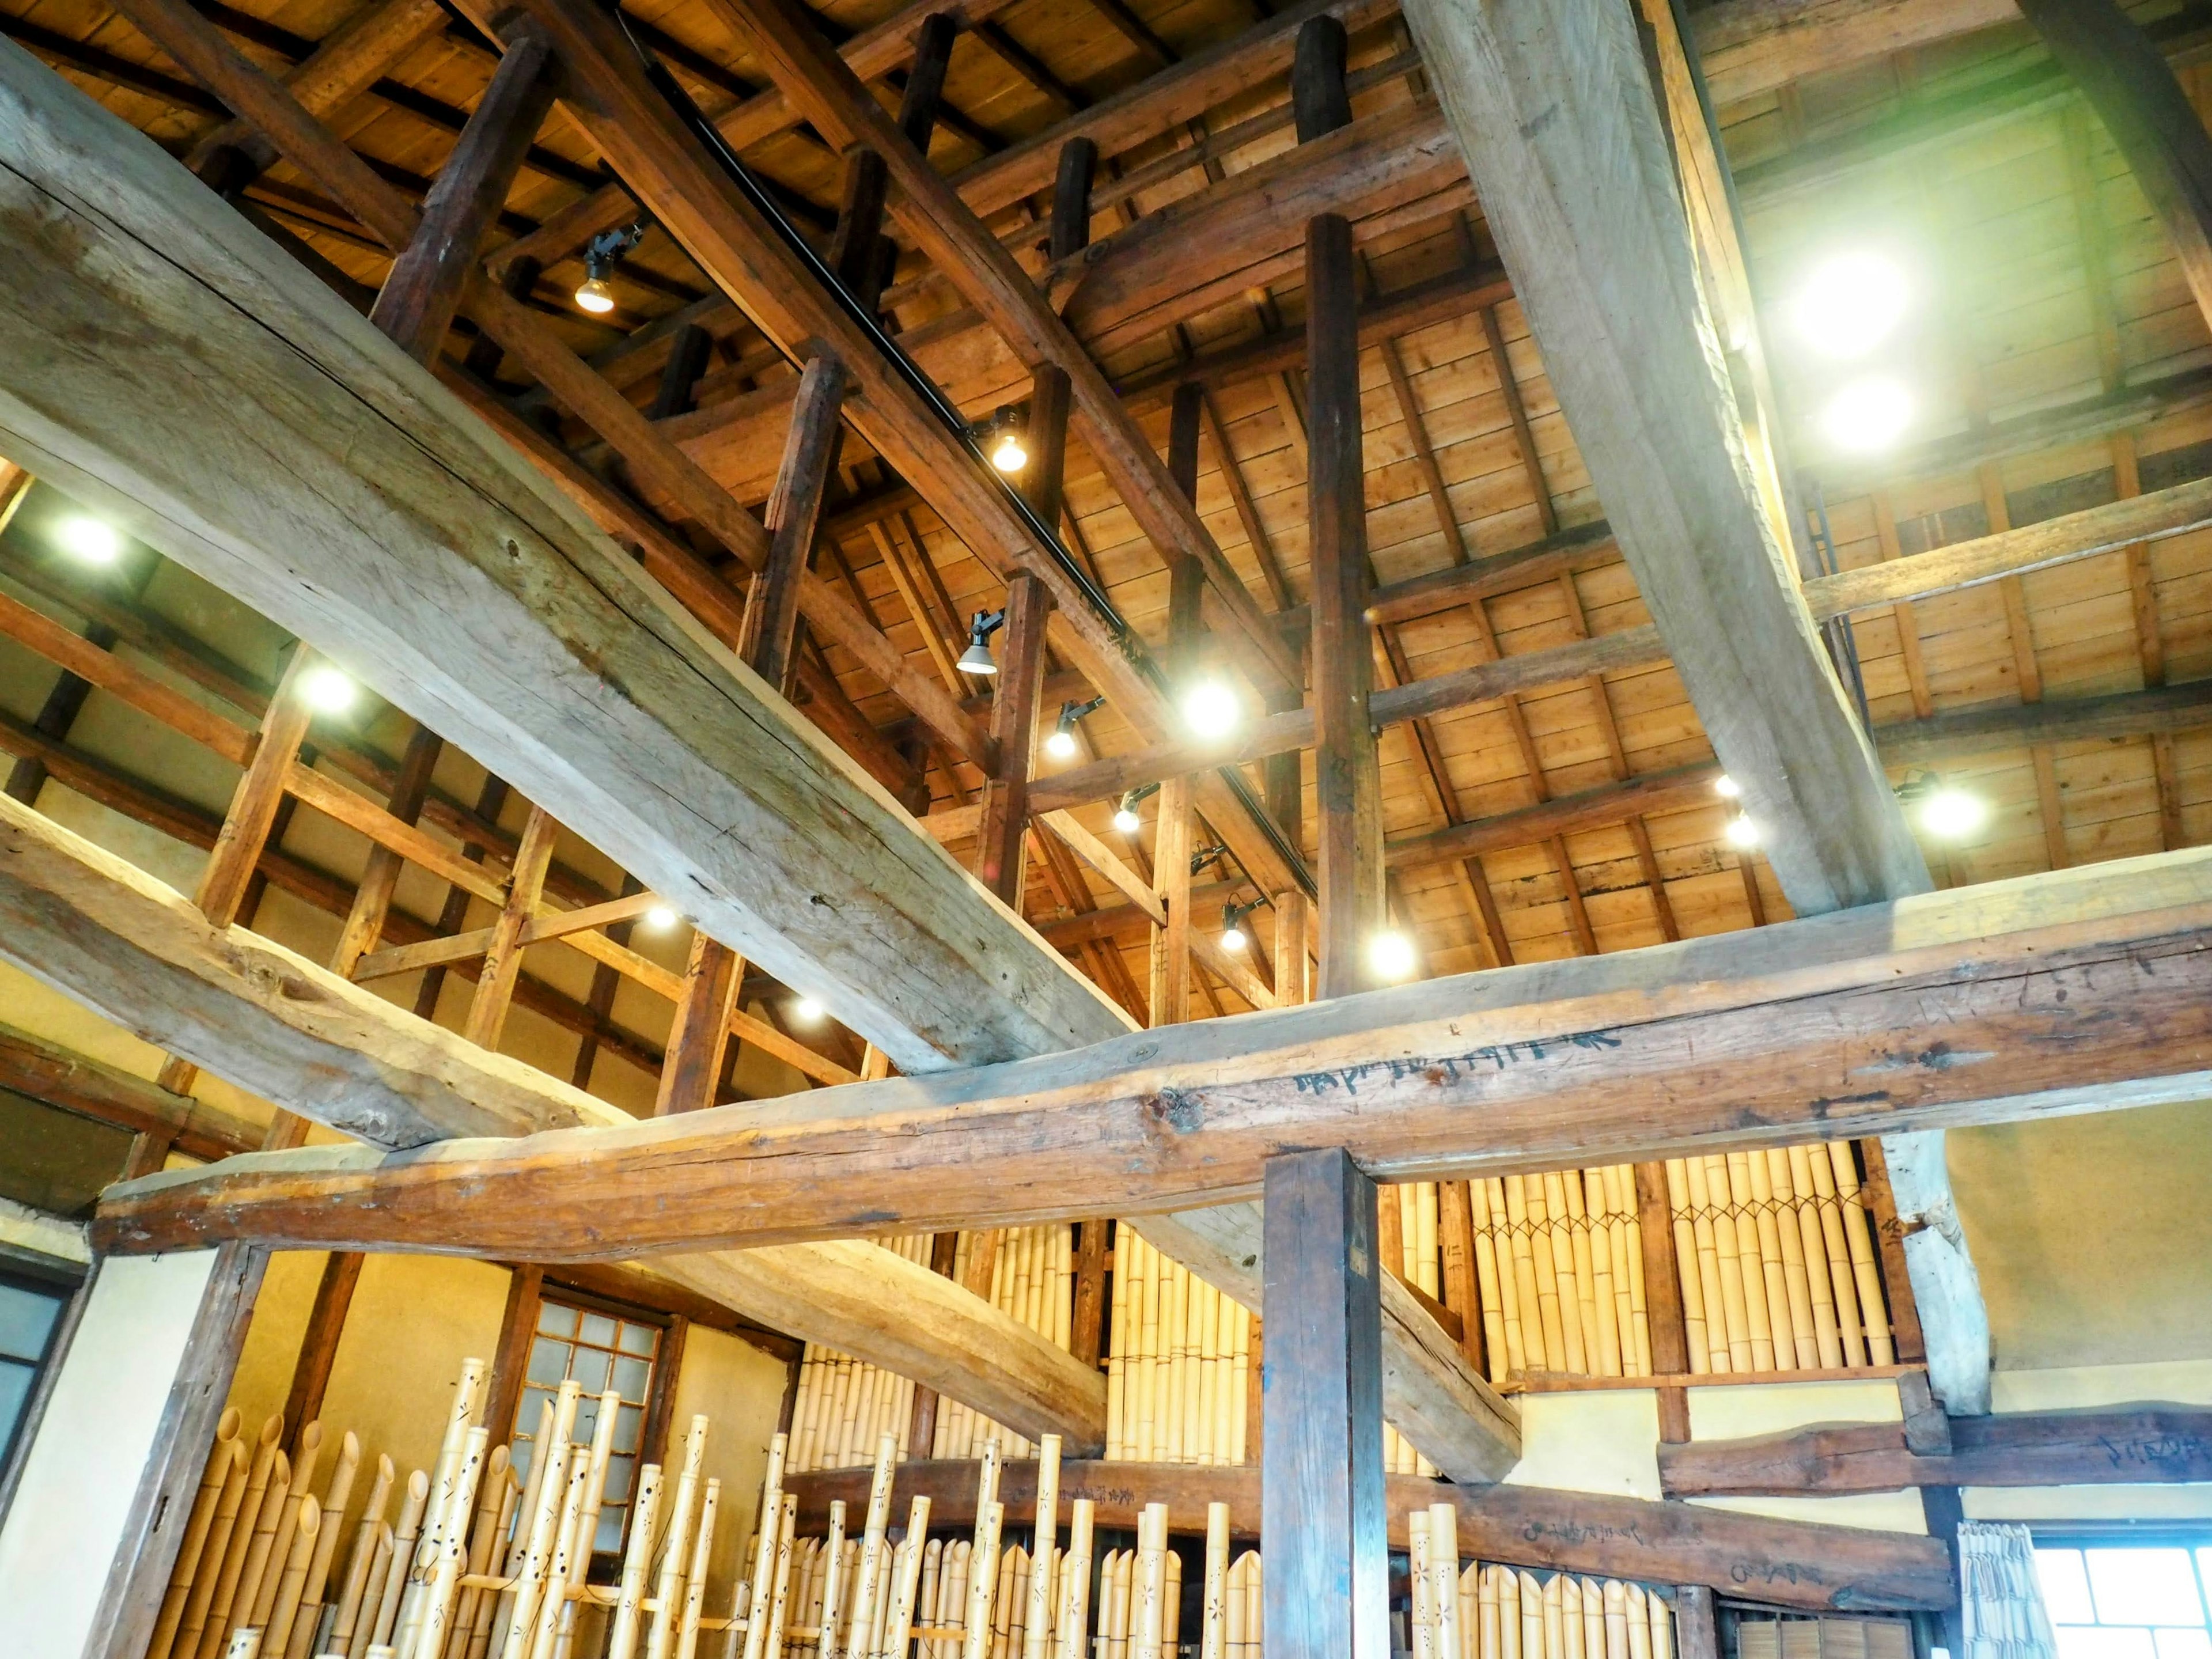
1751	48
42	1071
2071	991
2151	1443
607	704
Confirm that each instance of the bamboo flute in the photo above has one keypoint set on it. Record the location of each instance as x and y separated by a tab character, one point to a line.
460	1412
438	1616
483	1609
1445	1577
579	1558
276	1634
764	1557
935	1570
540	1536
364	1556
983	1581
494	1492
363	1635
215	1632
1036	1628
1864	1266
245	1643
541	1445
621	1635
1420	1627
1074	1611
910	1580
1149	1626
865	1600
1171	1605
404	1537
785	1521
1488	1612
1006	1597
832	1585
1214	1620
695	1588
661	1633
227	1454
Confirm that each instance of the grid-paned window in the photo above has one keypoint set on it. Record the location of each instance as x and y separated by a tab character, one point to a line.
598	1351
30	1308
2128	1601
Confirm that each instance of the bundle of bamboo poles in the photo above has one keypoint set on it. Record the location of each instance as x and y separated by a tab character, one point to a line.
845	1406
1777	1256
1031	1275
1178	1364
1558	1261
1490	1612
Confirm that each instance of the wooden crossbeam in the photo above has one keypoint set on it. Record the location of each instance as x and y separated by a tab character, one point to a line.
436	540
2149	1444
1784	1563
2064	991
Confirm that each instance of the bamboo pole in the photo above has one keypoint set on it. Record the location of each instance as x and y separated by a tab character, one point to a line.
461	1412
865	1594
765	1551
553	1459
1075	1584
364	1555
437	1622
1586	1280
695	1589
363	1635
1865	1269
621	1635
1638	1620
485	1608
1717	1225
215	1631
226	1455
778	1601
292	1580
297	1497
832	1584
1420	1634
982	1578
1037	1629
661	1634
1214	1619
494	1492
259	1546
1842	1271
910	1580
1443	1576
1812	1246
1774	1270
293	1643
1698	1313
1117	1352
1150	1621
404	1537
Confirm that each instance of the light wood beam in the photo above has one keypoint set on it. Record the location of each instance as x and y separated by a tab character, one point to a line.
2065	992
429	538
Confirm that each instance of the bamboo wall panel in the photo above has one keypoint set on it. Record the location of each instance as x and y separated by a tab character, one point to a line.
1178	1364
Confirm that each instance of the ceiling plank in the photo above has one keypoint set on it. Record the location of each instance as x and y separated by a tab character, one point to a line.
2068	991
252	427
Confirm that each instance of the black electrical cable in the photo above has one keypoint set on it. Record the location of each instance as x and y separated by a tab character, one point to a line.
864	320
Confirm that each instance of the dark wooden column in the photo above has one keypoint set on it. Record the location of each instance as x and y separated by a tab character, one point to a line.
1050	396
921	1429
1662	1297
1003	831
693	1068
679	376
419	296
859	252
1348	785
1697	1629
2132	87
769	640
1172	829
1087	1342
319	1347
154	1527
1321	1470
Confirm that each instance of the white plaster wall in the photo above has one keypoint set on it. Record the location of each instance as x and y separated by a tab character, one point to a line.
98	1431
1602	1440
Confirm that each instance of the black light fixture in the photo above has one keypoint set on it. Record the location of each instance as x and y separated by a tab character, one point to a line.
1233	924
1125	815
1004	441
977	658
1060	745
594	293
1206	855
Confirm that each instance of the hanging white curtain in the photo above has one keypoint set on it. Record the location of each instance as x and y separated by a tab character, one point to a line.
2002	1600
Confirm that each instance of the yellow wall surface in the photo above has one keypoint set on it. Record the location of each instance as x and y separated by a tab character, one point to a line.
740	1390
1732	1413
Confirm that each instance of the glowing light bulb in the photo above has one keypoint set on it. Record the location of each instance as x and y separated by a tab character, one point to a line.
89	539
1741	831
660	918
1060	745
594	296
328	689
1852	304
1952	814
1211	709
1727	788
1391	955
1232	937
1126	819
1008	454
1867	414
806	1011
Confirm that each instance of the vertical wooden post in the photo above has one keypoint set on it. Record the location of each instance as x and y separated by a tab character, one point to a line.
1293	962
679	376
1347	774
769	640
1463	1295
520	282
153	1530
372	900
1045	481
518	1326
417	304
858	251
1945	1513
693	1066
319	1347
1905	1334
1087	1341
1002	834
1321	1479
1662	1298
1071	197
502	963
921	1429
2134	91
1697	1634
